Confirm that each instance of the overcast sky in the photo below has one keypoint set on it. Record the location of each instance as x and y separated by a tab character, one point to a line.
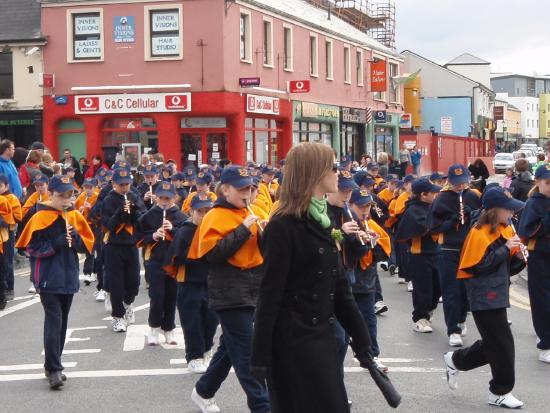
514	35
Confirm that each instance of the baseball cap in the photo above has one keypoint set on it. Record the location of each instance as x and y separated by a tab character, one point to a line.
166	189
362	178
372	165
150	170
268	169
543	172
37	145
122	176
40	178
345	181
201	201
4	179
122	165
236	176
89	181
345	160
497	197
178	176
458	174
361	197
204	178
408	178
436	176
424	185
61	184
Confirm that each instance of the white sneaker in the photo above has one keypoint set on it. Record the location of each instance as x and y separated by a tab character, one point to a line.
170	337
507	400
129	316
452	371
379	365
32	289
108	306
380	307
440	299
384	265
89	278
401	280
153	336
196	366
119	325
431	316
455	340
100	296
206	405
544	356
410	286
207	358
422	326
464	329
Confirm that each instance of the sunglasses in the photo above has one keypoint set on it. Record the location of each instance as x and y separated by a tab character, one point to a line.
334	167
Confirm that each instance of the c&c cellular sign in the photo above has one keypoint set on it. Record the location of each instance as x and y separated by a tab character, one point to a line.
133	103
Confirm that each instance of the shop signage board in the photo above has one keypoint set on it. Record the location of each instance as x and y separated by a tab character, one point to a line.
446	125
405	121
498	113
203	123
85	25
351	115
380	116
299	86
314	110
89	26
378	76
124	29
249	81
262	104
133	103
164	24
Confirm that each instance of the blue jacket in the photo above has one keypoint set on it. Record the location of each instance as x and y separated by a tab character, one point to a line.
8	168
534	225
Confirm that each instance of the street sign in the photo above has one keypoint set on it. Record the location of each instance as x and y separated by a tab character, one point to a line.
249	81
299	86
380	116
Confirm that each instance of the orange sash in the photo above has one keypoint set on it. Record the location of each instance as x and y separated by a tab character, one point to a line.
383	241
386	195
32	200
16	210
45	218
82	199
219	222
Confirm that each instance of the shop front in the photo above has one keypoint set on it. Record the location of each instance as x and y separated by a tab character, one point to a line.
385	133
23	127
352	135
190	128
314	122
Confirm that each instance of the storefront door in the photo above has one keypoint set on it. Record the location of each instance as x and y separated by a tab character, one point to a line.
191	149
198	147
216	146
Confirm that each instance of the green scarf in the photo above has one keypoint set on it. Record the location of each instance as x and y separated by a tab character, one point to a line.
318	211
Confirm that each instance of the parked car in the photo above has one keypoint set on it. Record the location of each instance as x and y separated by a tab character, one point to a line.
529	155
503	161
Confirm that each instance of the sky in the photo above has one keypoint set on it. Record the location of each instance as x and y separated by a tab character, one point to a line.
514	35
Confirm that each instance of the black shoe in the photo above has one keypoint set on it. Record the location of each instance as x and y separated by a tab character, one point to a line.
47	374
392	269
9	294
3	303
55	379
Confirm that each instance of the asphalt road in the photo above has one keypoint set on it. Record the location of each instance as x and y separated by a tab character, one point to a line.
119	372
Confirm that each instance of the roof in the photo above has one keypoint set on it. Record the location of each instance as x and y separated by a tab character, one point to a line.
305	13
480	85
512	75
467	59
20	20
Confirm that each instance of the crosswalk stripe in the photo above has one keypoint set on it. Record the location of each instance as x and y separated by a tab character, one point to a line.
20	306
20	367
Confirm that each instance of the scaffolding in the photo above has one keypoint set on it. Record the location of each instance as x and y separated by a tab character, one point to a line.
376	18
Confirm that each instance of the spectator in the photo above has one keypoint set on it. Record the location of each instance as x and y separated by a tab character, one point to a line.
416	155
479	172
83	162
97	164
38	146
508	178
19	157
47	164
69	161
7	150
541	160
365	160
523	182
404	160
30	169
383	164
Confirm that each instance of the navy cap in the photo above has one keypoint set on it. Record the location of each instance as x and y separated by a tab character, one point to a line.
122	165
204	178
345	181
150	170
543	172
372	165
436	176
165	189
345	160
408	178
212	161
201	201
190	173
497	197
268	169
362	178
361	197
424	185
392	178
40	178
256	179
61	184
458	174
236	176
400	184
178	176
89	181
122	176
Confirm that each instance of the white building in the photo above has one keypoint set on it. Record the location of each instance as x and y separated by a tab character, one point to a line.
529	107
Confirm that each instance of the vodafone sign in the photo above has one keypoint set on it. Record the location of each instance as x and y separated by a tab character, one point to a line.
133	103
299	86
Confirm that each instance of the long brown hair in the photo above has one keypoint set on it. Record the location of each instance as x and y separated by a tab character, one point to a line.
489	217
305	166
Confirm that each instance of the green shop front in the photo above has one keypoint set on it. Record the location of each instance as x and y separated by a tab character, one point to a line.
23	127
315	122
383	133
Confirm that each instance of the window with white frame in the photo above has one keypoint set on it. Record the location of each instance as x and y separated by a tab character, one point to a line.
329	66
86	36
165	33
268	43
347	64
287	46
359	67
393	87
313	54
245	38
6	75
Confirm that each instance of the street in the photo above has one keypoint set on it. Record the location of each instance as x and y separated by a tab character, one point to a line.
107	370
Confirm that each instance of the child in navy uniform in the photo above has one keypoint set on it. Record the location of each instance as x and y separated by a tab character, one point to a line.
148	188
158	226
53	238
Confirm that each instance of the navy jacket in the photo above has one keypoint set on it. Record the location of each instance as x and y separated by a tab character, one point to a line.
196	271
534	225
143	189
413	228
113	215
352	248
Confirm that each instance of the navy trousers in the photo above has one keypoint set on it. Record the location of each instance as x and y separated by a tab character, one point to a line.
538	282
163	291
365	302
453	291
425	278
9	250
122	269
56	313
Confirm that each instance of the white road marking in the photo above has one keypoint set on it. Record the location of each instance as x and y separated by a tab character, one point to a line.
519	301
138	308
398	370
20	306
136	336
19	367
81	351
86	328
70	339
24	297
398	360
174	362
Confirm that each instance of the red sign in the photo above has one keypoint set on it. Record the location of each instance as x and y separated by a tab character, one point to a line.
498	113
175	102
378	76
88	104
48	80
299	86
133	103
262	104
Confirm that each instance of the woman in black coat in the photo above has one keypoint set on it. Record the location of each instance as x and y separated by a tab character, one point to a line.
304	291
479	173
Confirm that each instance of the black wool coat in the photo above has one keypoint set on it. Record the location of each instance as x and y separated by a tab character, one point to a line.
303	292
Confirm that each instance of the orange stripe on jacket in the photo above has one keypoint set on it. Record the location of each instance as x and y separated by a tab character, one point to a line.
32	200
476	244
79	203
383	241
386	195
216	225
16	209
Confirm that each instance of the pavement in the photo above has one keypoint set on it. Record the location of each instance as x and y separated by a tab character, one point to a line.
108	371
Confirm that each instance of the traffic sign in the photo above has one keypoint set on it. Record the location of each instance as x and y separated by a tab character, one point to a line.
299	86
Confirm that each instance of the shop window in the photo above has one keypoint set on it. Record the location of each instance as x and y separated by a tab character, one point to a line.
119	131
394	87
313	60
6	75
287	44
329	66
268	43
347	64
86	28
261	139
163	29
245	38
359	68
72	135
312	132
